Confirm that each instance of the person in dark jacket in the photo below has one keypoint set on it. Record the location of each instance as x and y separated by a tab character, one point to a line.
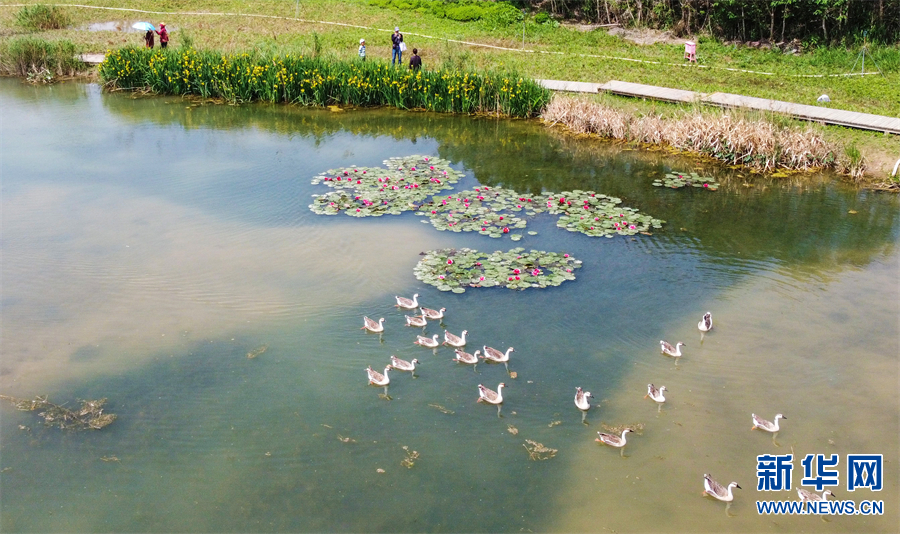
148	39
415	62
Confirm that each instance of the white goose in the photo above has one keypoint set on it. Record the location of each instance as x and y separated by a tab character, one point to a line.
490	396
372	326
416	320
717	490
378	379
430	342
656	393
667	348
614	441
762	424
403	365
466	358
454	340
705	324
808	496
409	304
434	315
493	355
582	402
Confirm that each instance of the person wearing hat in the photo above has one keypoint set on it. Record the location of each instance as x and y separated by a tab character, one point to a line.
398	46
362	49
163	36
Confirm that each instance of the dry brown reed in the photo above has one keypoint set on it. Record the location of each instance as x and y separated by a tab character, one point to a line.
736	139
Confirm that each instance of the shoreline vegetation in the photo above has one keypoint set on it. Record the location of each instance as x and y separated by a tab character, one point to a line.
289	79
39	45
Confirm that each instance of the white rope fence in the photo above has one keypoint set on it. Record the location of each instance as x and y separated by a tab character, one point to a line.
469	43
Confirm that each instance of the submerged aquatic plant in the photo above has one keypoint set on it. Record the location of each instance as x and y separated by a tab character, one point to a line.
88	416
537	451
515	269
403	185
676	180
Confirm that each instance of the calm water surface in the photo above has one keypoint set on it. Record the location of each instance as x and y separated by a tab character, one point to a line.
150	244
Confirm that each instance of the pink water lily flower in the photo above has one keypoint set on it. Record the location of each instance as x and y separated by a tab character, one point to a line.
632	227
516	271
449	262
440	277
565	255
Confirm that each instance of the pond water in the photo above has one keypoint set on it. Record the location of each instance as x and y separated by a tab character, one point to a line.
149	244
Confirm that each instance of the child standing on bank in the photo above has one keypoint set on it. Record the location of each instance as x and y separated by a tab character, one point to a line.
362	49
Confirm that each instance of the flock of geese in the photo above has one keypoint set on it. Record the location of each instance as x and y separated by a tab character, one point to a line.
490	354
582	398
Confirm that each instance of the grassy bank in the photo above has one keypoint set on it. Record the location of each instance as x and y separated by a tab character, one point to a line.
556	53
321	81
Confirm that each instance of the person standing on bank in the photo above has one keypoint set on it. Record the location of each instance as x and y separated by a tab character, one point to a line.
148	39
362	49
163	36
415	62
398	47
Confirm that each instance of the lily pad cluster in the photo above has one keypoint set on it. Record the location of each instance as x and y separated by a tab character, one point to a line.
456	269
497	211
597	215
491	211
677	180
403	185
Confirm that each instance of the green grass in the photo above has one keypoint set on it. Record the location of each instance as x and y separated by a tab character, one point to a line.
30	57
42	17
321	81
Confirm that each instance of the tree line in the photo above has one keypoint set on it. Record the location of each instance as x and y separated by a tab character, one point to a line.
811	21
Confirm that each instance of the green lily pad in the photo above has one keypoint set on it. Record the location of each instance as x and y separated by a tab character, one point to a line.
456	269
402	186
677	180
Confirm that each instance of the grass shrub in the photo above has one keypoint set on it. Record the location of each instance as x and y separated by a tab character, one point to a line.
29	56
42	17
754	141
320	81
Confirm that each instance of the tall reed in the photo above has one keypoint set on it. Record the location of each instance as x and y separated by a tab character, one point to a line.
27	56
757	143
320	81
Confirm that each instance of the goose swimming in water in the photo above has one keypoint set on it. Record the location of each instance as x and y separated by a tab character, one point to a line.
717	490
454	340
656	393
372	326
430	342
667	348
582	402
378	379
416	320
490	396
409	304
762	424
403	365
808	496
614	441
434	315
466	358
494	355
705	324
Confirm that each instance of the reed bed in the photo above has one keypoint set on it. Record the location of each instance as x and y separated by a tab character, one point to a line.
318	81
33	58
757	143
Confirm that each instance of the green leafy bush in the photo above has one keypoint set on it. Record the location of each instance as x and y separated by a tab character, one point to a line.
28	56
42	17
